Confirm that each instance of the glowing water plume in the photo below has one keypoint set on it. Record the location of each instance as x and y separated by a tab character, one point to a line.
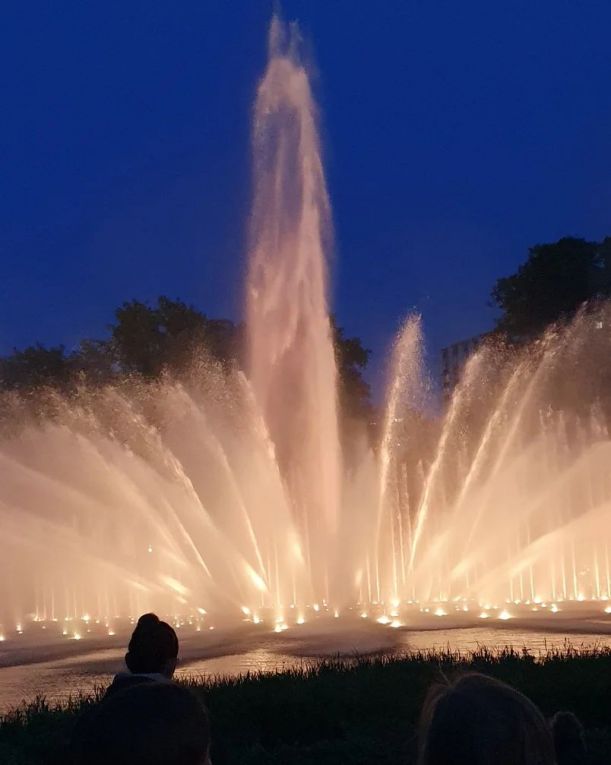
405	390
405	395
464	388
513	470
292	361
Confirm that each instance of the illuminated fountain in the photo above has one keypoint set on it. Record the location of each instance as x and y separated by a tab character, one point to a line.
226	495
514	501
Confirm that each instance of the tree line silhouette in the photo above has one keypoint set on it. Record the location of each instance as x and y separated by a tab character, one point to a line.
148	340
165	337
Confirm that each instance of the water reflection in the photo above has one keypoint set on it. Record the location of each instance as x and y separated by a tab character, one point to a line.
60	677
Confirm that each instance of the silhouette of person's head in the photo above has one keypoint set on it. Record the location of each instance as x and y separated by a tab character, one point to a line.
153	647
569	739
480	721
148	724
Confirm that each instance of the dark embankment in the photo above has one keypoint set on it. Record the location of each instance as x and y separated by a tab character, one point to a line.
360	711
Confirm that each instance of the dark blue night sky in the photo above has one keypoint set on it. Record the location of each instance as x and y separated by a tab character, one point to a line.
456	135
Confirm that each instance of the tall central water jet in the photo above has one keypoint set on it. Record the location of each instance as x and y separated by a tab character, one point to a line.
291	356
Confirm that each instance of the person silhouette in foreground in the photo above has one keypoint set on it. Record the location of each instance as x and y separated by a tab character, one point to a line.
478	720
569	739
154	723
151	656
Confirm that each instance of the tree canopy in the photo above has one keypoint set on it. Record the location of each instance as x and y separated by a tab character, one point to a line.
552	284
352	359
169	335
35	366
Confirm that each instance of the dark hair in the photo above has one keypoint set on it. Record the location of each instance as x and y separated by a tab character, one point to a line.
480	721
147	724
569	739
152	645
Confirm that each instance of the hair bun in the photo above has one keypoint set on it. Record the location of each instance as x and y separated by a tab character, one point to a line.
147	621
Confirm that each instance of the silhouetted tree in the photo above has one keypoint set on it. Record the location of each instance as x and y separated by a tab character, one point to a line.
169	335
224	340
351	358
34	367
551	285
94	361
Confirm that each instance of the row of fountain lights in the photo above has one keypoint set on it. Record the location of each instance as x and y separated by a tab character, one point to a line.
77	628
